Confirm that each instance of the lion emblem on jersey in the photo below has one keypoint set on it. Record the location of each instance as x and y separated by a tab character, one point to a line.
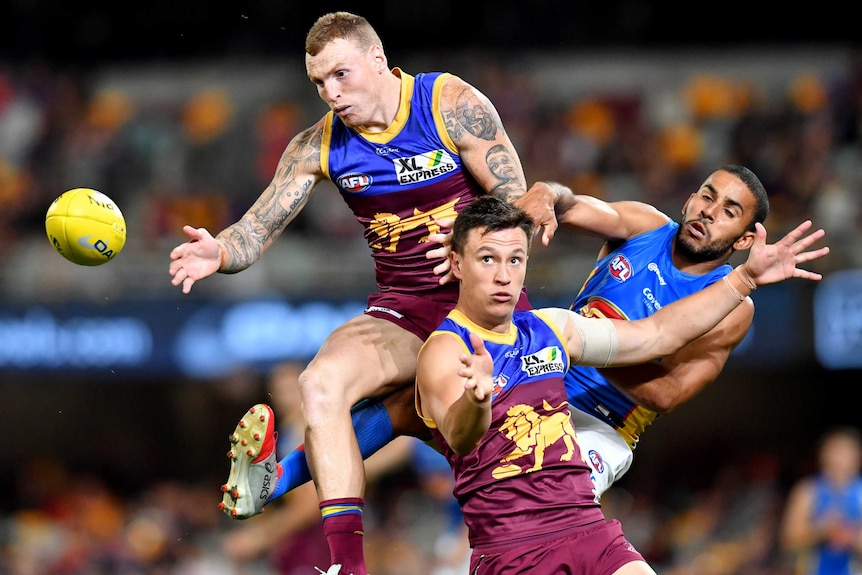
532	434
389	227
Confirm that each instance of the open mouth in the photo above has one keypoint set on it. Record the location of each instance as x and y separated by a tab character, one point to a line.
697	229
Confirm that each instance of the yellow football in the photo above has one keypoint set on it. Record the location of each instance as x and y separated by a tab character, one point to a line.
86	227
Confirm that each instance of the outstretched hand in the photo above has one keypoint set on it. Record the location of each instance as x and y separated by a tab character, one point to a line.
477	370
195	259
772	263
539	202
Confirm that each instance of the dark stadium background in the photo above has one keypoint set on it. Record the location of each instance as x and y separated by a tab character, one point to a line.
136	430
89	33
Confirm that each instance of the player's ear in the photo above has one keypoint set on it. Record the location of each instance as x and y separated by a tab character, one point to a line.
455	264
745	241
379	58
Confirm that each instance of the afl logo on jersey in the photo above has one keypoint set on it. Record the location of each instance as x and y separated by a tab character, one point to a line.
620	268
596	461
355	183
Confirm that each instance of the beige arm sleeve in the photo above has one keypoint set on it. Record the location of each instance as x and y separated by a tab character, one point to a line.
599	340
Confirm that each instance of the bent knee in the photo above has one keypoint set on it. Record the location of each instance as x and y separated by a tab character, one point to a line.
322	394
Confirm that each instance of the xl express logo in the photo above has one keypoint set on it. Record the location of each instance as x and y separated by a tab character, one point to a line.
424	167
548	360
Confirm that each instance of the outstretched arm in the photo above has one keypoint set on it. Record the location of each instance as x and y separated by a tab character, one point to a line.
592	216
241	244
455	387
677	324
662	386
682	321
553	204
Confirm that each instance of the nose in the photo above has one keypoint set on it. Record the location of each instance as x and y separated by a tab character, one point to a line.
329	92
503	276
708	210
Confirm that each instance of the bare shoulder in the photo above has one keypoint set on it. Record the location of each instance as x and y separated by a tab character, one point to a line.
637	208
300	161
802	491
455	89
467	112
307	143
557	316
439	355
441	343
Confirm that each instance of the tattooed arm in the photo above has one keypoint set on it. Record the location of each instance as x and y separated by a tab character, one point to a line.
488	154
242	243
486	150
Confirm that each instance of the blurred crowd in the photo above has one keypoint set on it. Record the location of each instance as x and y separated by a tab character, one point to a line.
196	143
68	524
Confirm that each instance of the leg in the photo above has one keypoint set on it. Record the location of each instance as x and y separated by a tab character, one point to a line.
375	423
401	408
366	357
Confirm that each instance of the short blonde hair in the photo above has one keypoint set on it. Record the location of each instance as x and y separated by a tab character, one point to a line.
337	25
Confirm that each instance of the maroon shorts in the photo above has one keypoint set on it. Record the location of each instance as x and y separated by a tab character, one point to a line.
420	314
597	549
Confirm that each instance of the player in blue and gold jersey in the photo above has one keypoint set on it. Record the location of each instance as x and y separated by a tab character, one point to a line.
648	261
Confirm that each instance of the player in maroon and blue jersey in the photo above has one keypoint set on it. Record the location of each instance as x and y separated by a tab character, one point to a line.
403	151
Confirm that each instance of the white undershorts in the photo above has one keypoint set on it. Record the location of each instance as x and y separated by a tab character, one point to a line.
607	453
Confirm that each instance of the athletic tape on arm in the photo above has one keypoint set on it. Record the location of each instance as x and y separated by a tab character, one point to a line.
598	336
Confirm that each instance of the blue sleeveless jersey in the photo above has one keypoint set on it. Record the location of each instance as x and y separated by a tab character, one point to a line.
397	181
632	282
845	502
527	474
